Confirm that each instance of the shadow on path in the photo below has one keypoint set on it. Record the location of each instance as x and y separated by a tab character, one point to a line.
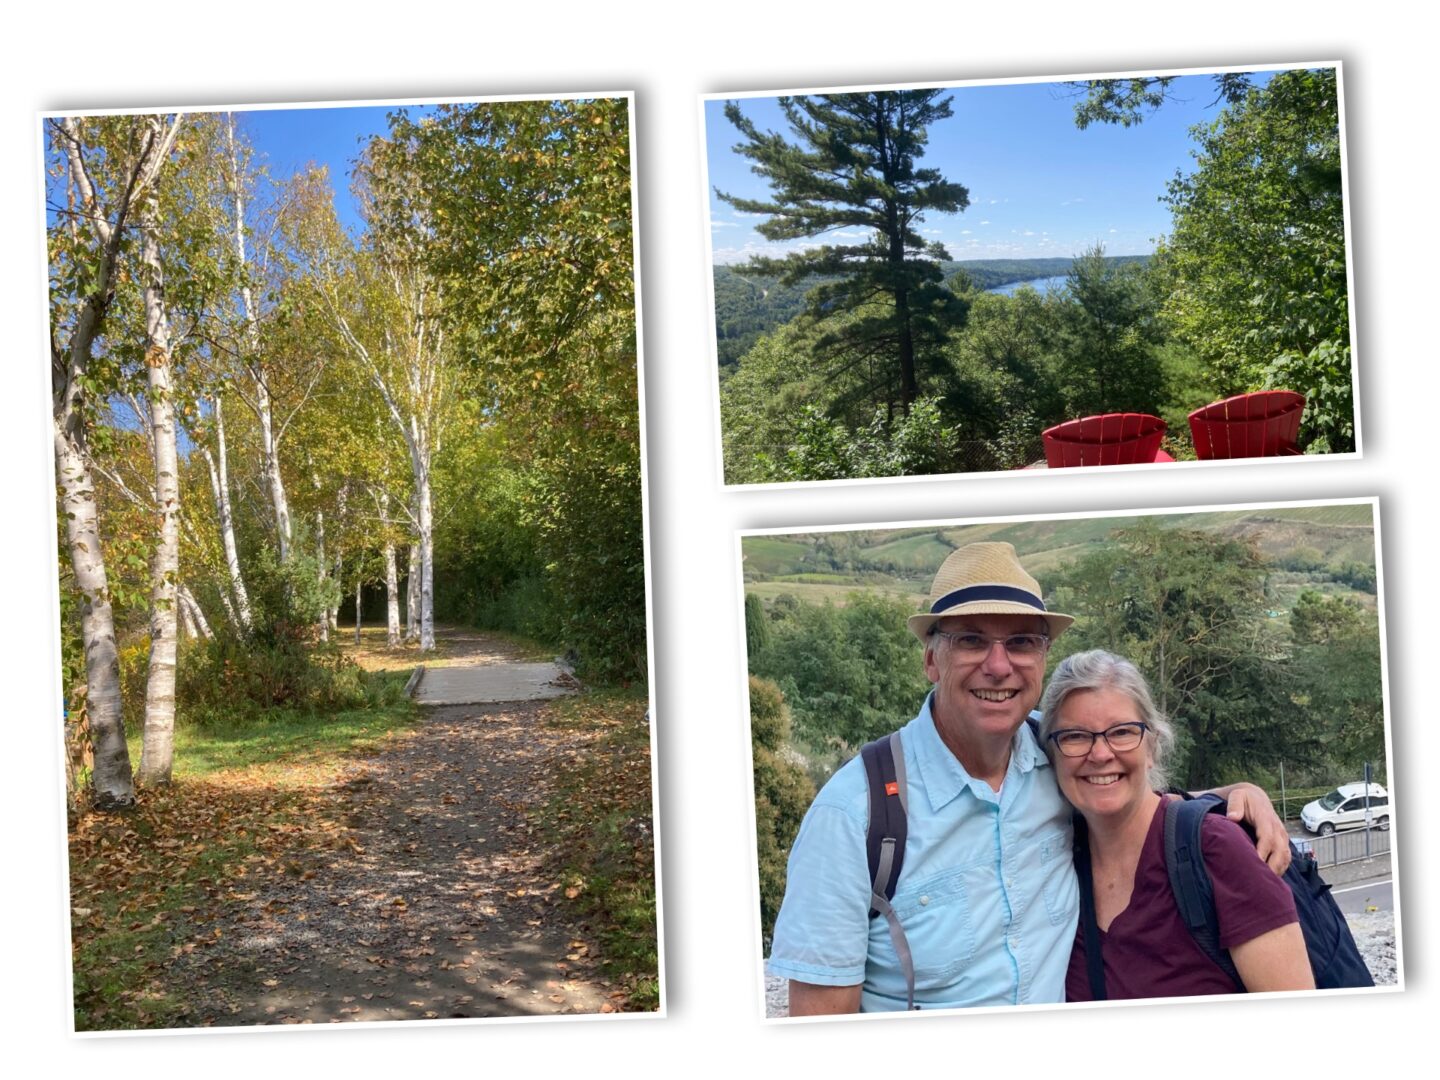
432	900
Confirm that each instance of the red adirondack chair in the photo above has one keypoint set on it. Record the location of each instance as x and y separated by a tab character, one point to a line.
1111	439
1262	424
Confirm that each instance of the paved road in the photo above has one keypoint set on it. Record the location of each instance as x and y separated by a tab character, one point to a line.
489	683
1376	894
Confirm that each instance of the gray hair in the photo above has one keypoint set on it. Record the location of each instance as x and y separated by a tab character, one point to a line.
1100	670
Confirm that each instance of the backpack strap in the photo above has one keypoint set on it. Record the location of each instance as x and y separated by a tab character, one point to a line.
1190	881
1094	960
884	761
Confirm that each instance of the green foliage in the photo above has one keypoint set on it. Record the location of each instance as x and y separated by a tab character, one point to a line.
782	795
1004	366
1323	375
1188	607
1255	264
1338	663
746	307
1128	101
917	443
850	673
529	207
1108	332
757	626
853	164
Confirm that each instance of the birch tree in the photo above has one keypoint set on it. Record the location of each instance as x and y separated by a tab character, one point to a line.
104	168
157	750
218	467
384	309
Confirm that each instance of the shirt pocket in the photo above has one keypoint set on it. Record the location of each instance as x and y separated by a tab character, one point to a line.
1057	867
939	928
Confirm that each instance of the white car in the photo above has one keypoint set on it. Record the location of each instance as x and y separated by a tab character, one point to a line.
1344	808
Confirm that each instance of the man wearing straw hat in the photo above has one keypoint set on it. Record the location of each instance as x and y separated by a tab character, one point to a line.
987	895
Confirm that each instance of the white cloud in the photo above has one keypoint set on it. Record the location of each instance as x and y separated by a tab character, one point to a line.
985	223
964	232
1028	232
717	224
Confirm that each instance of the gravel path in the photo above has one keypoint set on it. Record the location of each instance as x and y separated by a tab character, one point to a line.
1374	934
434	900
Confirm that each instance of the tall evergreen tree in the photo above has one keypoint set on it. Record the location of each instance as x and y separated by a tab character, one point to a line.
853	165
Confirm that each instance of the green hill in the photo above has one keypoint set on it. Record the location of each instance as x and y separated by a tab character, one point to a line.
1330	548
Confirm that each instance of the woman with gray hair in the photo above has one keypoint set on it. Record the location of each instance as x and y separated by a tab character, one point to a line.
1108	744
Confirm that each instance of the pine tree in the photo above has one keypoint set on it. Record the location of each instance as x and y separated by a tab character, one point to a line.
853	166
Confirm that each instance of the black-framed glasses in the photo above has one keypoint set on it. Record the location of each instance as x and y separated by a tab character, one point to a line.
1075	742
977	646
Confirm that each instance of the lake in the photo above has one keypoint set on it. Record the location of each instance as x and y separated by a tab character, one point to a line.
1041	285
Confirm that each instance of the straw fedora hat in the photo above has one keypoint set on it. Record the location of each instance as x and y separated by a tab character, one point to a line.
985	579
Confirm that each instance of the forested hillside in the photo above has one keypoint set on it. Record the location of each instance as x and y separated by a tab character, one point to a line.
748	306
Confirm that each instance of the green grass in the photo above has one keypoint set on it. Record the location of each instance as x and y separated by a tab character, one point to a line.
260	737
606	853
142	881
773	554
839	595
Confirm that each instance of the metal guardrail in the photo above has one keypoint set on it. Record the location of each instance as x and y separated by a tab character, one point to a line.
1352	845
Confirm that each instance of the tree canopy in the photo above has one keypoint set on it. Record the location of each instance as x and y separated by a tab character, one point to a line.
853	164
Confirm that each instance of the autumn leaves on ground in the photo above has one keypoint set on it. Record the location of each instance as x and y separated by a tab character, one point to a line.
393	864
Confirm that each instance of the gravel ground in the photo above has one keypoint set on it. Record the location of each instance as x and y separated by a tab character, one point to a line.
1374	934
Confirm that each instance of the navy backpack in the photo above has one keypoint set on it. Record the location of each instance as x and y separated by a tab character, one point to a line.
1335	959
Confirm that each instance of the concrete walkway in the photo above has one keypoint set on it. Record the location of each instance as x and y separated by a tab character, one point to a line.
483	684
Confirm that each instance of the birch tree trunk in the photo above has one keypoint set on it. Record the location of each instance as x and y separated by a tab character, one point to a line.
158	743
332	612
187	619
323	623
220	488
425	528
392	590
112	783
262	404
191	607
412	593
357	609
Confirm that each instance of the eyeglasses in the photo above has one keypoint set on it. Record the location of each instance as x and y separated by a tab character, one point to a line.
1021	647
1073	742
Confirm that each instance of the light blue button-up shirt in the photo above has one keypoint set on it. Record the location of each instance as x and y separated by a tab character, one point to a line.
987	895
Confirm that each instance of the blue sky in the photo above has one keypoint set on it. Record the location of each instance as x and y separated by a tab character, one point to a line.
1039	187
288	140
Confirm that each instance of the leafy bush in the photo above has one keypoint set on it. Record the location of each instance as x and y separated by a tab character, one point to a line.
849	673
782	795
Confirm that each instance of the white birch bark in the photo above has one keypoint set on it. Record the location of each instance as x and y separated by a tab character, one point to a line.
158	741
195	613
392	590
412	406
220	488
322	624
357	609
333	611
412	592
112	783
260	402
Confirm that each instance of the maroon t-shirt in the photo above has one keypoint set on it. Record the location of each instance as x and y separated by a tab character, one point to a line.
1148	950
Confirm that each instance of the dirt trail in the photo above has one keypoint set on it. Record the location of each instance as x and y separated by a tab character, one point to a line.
433	901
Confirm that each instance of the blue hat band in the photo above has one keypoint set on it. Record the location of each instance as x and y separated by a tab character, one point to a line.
976	593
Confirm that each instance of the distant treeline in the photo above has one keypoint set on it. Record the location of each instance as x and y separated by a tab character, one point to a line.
747	306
